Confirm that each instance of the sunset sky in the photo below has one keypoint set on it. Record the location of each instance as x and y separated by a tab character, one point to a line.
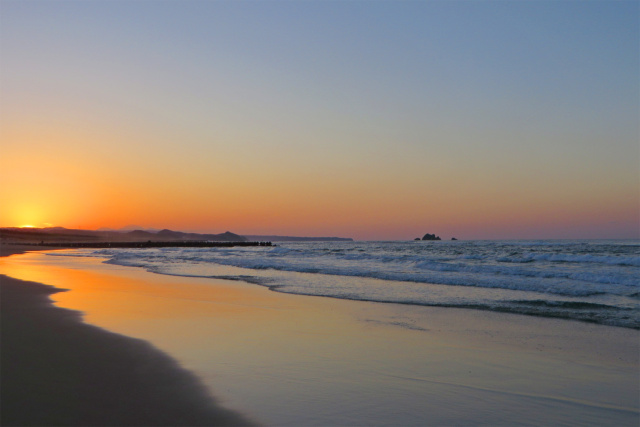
364	119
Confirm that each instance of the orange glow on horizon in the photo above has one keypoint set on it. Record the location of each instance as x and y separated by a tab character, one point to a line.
369	200
255	136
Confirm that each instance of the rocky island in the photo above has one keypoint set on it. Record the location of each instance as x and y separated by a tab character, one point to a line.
430	237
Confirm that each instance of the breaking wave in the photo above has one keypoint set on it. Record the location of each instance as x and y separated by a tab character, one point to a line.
586	280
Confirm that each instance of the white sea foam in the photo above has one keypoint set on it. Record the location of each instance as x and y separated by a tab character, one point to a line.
585	280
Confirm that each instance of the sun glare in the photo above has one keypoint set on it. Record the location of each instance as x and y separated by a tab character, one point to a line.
27	226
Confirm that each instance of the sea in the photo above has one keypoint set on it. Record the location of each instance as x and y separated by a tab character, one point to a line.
585	280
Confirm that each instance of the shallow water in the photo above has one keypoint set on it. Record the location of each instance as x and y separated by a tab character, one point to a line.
596	281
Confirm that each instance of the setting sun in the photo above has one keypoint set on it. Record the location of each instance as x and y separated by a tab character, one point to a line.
385	148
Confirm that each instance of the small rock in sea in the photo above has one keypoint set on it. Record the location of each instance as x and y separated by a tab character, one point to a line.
431	237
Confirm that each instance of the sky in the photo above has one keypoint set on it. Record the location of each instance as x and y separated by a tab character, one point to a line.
376	120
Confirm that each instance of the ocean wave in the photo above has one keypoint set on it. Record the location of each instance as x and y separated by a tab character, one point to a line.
577	284
566	304
601	313
580	279
569	258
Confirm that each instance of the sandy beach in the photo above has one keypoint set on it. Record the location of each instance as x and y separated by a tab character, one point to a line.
57	370
284	359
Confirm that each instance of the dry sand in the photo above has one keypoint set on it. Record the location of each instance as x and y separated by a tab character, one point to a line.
57	370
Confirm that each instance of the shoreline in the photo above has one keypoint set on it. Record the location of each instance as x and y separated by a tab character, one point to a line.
58	370
11	249
286	359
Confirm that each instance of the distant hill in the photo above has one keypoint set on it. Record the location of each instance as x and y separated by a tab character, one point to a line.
106	229
61	234
128	228
297	239
57	234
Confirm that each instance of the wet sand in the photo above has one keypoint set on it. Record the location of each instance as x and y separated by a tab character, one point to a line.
57	370
6	250
296	360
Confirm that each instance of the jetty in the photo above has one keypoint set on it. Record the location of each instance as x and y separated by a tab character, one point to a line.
147	244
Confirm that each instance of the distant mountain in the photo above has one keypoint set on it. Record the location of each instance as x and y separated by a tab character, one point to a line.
128	228
140	235
134	234
297	239
179	235
58	234
58	228
168	235
61	234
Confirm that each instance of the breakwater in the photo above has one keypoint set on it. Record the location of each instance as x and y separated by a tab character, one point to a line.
148	244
